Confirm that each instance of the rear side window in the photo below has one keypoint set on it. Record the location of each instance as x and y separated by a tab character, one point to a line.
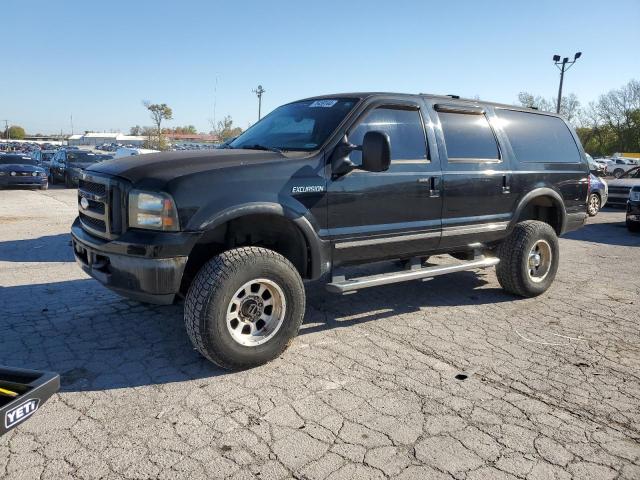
539	138
468	137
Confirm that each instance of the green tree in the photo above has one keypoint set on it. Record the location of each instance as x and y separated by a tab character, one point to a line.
225	130
158	112
15	132
569	105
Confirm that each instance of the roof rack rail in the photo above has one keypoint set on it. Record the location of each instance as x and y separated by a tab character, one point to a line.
453	96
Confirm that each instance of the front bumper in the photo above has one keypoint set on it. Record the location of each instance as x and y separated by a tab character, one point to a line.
144	271
9	181
633	211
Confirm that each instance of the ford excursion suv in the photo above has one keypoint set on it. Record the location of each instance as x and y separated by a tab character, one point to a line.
323	184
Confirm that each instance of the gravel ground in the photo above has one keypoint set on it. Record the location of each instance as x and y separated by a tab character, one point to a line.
450	378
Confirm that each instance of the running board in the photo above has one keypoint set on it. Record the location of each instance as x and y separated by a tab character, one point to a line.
343	285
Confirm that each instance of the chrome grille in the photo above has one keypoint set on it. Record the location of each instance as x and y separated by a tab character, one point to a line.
97	214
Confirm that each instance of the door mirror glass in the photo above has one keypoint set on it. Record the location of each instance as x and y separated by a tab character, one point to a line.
376	152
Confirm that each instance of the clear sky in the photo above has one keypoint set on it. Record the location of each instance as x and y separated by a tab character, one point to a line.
99	60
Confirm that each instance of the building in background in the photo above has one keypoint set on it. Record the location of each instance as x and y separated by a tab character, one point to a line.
98	138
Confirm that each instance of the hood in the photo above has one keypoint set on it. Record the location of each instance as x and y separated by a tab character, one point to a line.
166	166
80	165
624	182
19	167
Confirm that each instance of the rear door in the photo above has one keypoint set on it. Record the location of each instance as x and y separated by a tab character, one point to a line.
477	199
378	215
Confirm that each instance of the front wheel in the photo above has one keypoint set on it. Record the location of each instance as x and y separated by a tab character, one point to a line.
529	259
593	204
244	307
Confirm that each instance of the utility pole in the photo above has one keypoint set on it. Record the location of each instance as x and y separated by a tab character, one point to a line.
563	66
6	128
259	91
72	124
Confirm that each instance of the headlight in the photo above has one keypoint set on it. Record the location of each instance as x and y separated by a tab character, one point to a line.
43	174
13	174
152	211
2	174
34	174
634	195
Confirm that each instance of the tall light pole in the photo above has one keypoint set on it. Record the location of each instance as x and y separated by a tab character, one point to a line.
259	91
563	66
6	127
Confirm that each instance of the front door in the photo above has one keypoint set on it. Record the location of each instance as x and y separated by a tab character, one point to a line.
381	215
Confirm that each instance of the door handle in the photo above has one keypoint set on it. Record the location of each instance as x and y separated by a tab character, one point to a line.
505	185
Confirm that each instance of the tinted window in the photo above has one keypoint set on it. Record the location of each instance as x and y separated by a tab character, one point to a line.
468	136
404	128
303	126
82	157
539	138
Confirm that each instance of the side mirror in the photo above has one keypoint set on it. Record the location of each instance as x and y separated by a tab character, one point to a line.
376	152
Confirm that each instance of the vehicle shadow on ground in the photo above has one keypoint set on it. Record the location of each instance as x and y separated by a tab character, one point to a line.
370	305
49	248
99	341
605	233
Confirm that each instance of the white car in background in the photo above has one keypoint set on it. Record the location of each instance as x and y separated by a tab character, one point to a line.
619	166
619	188
127	152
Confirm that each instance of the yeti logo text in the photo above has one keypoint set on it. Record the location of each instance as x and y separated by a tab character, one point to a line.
308	189
21	412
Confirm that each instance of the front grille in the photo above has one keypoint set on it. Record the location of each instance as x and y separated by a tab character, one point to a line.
93	223
92	187
101	214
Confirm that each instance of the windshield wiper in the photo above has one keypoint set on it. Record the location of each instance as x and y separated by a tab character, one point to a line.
262	147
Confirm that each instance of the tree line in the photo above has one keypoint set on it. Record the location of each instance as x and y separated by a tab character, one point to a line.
605	126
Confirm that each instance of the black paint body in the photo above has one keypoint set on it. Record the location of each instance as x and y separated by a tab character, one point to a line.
414	208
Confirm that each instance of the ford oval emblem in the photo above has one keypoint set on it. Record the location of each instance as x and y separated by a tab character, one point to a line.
84	203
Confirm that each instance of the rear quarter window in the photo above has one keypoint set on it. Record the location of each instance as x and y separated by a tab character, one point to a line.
539	138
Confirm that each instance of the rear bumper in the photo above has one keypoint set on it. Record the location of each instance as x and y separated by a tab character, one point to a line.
142	278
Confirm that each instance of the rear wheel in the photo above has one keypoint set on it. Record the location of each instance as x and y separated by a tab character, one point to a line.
593	204
529	259
618	172
244	307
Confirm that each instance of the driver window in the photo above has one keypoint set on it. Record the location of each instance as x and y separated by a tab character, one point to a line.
405	130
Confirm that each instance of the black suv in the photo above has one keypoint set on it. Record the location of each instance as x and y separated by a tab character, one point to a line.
320	185
66	165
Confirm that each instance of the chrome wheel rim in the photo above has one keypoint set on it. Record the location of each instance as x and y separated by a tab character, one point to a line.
593	205
256	312
539	261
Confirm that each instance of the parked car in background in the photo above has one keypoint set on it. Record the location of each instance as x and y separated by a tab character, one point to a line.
127	152
66	165
619	166
619	188
594	167
21	171
598	194
633	209
43	158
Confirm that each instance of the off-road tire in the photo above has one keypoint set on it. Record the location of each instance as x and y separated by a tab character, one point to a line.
592	212
513	252
211	291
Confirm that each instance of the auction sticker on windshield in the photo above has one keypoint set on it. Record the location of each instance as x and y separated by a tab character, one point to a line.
323	103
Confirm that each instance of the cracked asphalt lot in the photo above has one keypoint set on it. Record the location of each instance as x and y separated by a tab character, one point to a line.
547	388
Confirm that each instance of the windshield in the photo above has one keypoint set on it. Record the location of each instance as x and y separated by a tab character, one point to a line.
16	160
302	126
633	173
83	157
47	156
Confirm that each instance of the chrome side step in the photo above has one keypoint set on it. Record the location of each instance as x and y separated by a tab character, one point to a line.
343	285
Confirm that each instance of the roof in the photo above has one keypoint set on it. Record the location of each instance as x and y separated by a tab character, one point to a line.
75	137
448	98
100	135
139	138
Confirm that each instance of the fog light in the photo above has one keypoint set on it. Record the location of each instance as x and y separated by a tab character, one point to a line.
13	174
34	174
